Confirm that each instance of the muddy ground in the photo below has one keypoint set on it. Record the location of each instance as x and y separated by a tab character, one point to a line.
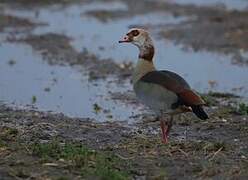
43	145
216	148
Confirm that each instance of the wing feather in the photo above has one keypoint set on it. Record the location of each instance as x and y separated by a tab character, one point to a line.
175	83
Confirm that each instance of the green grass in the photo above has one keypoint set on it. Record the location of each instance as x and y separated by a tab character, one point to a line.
222	95
91	163
34	99
7	133
224	111
211	97
12	132
243	109
215	146
205	147
97	109
210	101
62	178
2	144
11	62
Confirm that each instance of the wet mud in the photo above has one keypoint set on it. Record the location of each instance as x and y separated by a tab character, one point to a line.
225	29
225	33
57	50
216	148
7	21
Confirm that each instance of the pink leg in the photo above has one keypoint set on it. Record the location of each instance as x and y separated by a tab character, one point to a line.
165	132
165	127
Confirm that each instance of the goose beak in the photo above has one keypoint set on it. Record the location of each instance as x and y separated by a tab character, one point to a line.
125	40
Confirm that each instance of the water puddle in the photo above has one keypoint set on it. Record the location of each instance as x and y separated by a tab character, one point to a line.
205	71
27	80
64	89
89	32
229	4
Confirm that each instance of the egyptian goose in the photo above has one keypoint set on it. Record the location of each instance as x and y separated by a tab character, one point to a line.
165	92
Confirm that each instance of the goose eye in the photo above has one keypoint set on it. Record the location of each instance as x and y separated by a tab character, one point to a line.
135	32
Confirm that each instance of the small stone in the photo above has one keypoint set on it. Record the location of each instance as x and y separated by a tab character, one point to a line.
243	157
224	120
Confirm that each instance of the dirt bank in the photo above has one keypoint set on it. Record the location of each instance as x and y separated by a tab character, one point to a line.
7	21
222	31
216	148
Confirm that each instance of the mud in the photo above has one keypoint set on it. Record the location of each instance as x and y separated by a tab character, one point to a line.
7	21
31	4
56	49
225	33
216	148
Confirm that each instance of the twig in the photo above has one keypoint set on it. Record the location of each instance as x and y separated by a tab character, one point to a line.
12	173
183	152
151	121
124	158
27	149
215	153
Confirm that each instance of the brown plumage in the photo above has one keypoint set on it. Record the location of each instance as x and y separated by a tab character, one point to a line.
163	91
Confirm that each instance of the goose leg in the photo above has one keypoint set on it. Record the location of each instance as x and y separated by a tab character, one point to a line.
165	127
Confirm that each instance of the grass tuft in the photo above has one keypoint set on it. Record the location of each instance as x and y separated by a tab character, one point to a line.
210	101
100	164
243	109
7	133
222	95
34	99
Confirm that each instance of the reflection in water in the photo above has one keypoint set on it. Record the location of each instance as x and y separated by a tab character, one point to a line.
202	68
56	88
229	4
71	93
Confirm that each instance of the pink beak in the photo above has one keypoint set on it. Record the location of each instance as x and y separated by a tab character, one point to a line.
125	39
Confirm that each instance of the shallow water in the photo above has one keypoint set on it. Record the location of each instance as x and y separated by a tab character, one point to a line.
202	68
72	93
229	4
56	88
